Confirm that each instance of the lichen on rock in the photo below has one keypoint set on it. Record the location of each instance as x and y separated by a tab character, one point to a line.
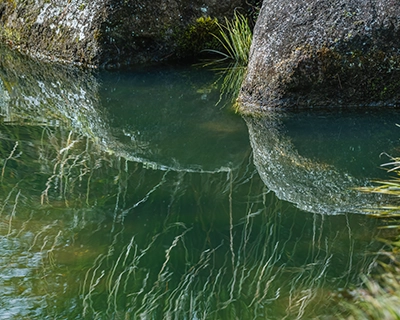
324	53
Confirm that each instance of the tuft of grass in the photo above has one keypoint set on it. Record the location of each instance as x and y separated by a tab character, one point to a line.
235	36
231	81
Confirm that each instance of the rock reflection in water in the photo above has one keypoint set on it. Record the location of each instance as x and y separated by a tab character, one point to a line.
157	117
312	184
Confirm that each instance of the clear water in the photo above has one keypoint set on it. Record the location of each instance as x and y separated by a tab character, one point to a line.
131	195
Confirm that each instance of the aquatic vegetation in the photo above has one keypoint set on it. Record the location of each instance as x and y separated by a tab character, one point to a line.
184	268
101	229
89	230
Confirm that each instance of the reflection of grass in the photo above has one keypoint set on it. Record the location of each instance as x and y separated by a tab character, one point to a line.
70	167
237	265
66	163
192	269
11	155
179	268
232	78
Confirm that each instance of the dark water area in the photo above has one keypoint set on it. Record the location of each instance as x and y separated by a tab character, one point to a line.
134	195
173	111
339	138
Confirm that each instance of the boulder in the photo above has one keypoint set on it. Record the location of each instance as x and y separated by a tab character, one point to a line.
105	32
324	53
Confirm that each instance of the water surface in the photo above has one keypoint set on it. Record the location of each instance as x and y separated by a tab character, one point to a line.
132	195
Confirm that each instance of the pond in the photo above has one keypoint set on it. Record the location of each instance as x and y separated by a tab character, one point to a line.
136	195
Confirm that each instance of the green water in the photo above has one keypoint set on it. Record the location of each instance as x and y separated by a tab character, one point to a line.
131	195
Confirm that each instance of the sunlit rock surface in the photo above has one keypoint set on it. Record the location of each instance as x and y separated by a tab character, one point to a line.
324	53
104	32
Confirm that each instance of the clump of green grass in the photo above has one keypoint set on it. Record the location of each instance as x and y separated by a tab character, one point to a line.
198	36
235	36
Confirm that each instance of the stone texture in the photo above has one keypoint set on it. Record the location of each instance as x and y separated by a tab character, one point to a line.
324	53
104	32
58	30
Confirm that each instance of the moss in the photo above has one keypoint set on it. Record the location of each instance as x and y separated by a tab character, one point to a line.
11	3
97	34
51	39
198	36
11	36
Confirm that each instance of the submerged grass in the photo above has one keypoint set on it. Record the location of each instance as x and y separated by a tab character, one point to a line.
185	269
245	270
